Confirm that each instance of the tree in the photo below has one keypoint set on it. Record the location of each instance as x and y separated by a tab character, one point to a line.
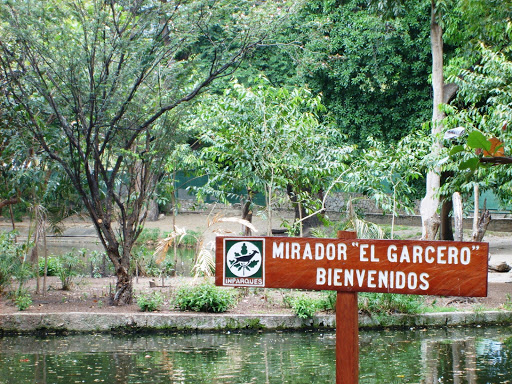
441	92
266	139
98	80
483	108
372	70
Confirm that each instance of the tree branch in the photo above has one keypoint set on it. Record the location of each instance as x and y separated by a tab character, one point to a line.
496	160
11	201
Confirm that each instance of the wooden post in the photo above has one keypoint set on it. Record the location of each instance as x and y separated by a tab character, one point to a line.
347	332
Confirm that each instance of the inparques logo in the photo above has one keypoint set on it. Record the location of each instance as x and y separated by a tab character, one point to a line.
244	262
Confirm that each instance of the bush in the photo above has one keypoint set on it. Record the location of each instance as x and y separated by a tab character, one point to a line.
70	261
204	298
150	302
388	303
148	235
53	268
11	257
99	264
304	307
379	303
22	300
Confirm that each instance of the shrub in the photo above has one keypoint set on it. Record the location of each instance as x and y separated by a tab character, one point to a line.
191	239
70	261
304	307
150	302
53	267
144	263
148	235
99	265
11	256
387	303
204	298
22	300
379	303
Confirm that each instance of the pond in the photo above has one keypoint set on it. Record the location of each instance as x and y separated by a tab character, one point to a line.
455	356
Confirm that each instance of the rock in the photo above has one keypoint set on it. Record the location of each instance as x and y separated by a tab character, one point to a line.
502	267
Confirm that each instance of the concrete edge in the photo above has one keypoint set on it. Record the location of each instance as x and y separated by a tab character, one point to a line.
89	322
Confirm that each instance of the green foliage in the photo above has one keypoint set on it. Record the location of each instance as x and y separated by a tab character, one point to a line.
304	306
148	235
389	303
507	305
472	22
11	259
69	264
205	297
263	139
98	264
150	302
100	86
144	263
484	108
54	266
22	299
372	70
329	300
191	239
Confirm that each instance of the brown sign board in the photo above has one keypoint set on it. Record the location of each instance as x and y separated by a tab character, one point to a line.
444	268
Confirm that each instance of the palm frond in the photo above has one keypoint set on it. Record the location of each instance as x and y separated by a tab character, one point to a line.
364	229
205	264
218	218
163	245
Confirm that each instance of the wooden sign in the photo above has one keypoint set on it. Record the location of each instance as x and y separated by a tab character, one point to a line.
444	268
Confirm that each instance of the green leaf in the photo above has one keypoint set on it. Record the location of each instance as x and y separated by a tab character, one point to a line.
456	149
476	139
470	164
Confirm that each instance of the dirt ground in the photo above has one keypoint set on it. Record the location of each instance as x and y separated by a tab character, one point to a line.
92	294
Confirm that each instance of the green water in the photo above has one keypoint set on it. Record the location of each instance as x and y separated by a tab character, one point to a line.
436	356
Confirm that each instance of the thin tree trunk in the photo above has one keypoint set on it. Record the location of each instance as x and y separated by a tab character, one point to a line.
476	192
483	223
247	212
430	203
45	263
445	227
457	214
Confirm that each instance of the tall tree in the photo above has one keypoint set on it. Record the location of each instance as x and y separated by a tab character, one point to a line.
430	203
97	80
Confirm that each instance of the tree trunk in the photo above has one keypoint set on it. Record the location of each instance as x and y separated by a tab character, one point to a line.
457	214
123	294
300	213
430	203
445	228
483	223
120	257
152	211
476	206
247	215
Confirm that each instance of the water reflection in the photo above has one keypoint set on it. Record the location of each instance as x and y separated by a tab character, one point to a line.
419	356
